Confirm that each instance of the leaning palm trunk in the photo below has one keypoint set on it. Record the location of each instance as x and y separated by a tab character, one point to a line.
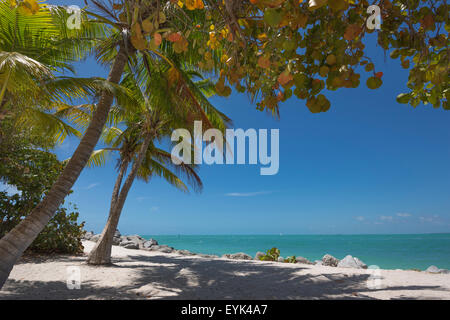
101	254
13	244
5	85
102	250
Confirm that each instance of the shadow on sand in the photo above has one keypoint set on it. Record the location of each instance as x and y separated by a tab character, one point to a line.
178	277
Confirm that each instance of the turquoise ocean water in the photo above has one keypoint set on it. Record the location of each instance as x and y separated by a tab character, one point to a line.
409	251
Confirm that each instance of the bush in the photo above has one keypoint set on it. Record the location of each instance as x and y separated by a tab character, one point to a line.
26	164
62	234
271	255
291	259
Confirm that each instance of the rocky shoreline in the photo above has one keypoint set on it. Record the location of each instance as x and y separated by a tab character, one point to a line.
138	243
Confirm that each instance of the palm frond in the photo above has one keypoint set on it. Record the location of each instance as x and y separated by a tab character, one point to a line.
99	157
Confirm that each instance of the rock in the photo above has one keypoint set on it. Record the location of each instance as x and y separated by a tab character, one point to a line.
433	269
116	241
134	237
129	245
210	256
318	262
88	235
149	243
185	253
280	259
329	260
138	240
238	256
117	234
166	250
361	264
162	248
95	237
303	260
258	255
351	262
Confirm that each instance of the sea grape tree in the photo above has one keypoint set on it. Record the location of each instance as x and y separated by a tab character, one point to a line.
276	49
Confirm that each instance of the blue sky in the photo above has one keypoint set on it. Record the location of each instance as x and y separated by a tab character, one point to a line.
369	165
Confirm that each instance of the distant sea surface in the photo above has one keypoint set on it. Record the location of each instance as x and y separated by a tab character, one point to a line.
406	251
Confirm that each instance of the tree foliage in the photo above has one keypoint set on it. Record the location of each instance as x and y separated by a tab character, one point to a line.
275	49
36	50
26	165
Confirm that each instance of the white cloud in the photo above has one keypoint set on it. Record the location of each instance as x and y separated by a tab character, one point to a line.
92	185
360	218
249	194
404	214
154	209
386	218
431	219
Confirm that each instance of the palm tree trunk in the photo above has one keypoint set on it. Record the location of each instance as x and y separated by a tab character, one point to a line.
116	190
5	85
101	254
18	239
3	101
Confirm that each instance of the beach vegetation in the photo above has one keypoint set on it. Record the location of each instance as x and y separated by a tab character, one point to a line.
28	165
291	259
271	255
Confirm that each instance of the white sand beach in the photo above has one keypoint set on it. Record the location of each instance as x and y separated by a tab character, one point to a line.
139	274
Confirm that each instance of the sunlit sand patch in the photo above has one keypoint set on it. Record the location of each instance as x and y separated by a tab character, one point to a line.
189	276
245	273
156	291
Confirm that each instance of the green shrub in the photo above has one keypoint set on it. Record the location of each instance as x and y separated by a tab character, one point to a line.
25	164
62	234
291	259
271	255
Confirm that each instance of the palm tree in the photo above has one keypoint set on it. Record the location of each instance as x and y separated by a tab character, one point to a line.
117	50
146	161
155	120
32	48
17	240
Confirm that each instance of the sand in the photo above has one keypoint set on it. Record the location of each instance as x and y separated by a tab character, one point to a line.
139	274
